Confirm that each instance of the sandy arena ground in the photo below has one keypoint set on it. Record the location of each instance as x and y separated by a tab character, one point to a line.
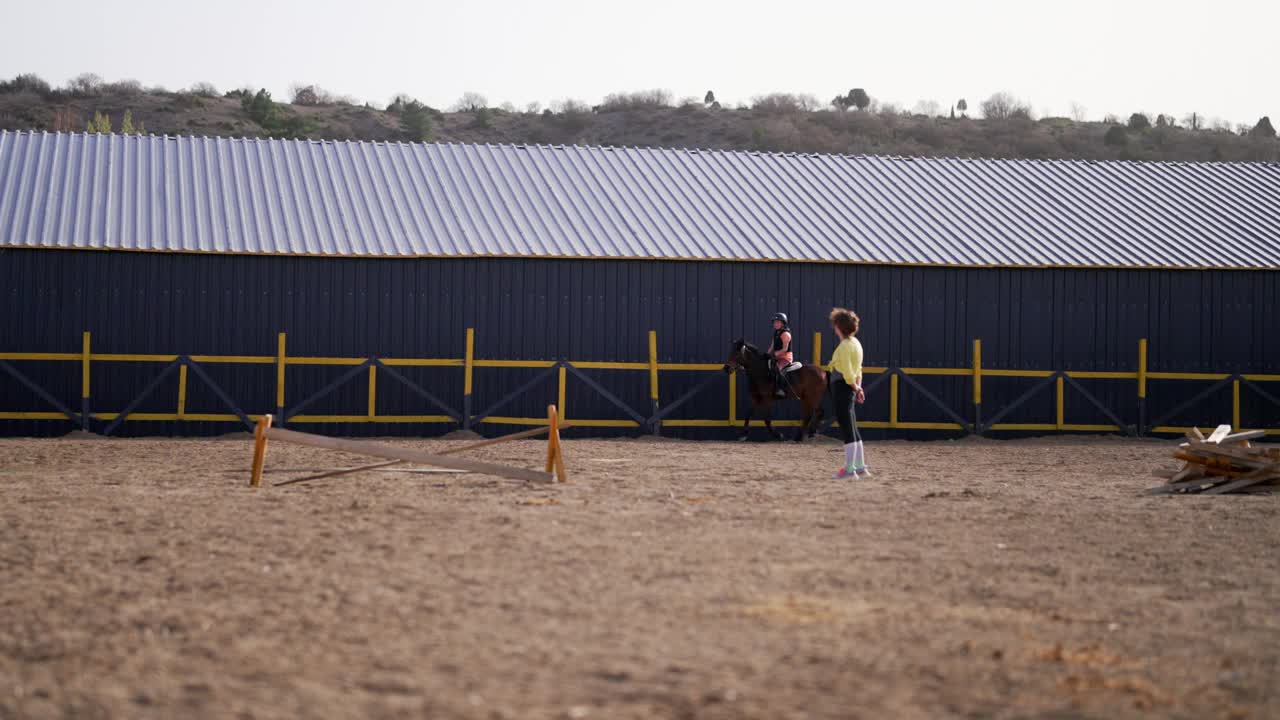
142	579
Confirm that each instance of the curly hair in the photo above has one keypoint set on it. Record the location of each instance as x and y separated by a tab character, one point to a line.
846	320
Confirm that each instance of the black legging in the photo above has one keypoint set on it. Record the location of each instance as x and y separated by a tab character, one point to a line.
846	416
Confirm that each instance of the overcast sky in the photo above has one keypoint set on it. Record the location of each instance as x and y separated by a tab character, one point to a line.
1217	58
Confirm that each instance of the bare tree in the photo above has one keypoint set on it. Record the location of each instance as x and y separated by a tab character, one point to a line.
470	102
785	102
65	120
310	94
123	87
928	108
85	84
204	89
640	100
1079	112
886	108
569	106
1003	106
808	102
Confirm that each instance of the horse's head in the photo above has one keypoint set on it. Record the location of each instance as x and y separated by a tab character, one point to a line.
740	354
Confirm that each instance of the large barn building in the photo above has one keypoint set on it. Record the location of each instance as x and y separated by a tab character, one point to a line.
176	285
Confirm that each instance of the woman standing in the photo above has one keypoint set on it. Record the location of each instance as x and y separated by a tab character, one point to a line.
846	389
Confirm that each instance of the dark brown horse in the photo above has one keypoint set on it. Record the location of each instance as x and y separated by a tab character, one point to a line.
807	384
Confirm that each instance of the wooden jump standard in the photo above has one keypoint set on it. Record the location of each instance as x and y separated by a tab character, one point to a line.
554	468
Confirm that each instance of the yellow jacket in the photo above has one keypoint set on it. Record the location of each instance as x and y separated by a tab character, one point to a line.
847	360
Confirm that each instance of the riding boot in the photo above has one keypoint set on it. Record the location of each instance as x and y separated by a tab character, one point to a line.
780	384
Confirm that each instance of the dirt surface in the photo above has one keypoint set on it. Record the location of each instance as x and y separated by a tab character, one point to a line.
143	579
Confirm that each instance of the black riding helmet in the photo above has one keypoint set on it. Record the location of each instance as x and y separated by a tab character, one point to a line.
782	317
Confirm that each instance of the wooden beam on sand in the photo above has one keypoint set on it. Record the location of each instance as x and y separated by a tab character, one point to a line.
505	438
337	473
391	465
1240	483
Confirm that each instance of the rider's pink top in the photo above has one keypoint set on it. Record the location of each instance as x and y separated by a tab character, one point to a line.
785	357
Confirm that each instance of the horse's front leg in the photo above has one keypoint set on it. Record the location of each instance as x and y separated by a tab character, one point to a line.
768	422
746	424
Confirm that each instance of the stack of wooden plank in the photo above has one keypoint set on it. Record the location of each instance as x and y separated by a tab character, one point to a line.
1225	462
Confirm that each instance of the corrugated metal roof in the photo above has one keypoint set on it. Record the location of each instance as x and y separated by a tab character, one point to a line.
195	194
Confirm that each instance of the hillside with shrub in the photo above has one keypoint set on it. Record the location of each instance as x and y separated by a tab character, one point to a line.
851	123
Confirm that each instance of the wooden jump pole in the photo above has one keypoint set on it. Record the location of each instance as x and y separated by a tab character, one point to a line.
389	465
373	449
523	435
259	450
555	455
338	473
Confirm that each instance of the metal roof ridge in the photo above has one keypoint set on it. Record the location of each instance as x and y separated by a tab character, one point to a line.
687	150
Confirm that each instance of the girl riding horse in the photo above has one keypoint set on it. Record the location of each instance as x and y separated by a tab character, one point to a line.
808	384
781	352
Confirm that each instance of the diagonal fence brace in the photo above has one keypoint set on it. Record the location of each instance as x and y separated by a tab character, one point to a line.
1024	397
670	408
217	389
1196	399
540	377
605	393
962	422
419	390
1129	430
146	392
346	377
1258	389
35	388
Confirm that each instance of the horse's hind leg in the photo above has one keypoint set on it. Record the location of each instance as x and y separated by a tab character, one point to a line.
805	425
817	421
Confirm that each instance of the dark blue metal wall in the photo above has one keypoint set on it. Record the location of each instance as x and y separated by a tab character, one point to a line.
1197	321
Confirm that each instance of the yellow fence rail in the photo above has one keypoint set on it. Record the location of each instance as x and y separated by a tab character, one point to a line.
654	369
